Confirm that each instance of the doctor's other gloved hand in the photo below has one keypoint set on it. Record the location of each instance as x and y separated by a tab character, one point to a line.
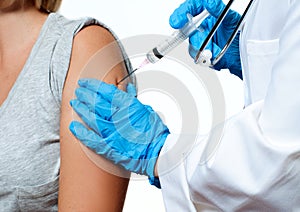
231	59
121	128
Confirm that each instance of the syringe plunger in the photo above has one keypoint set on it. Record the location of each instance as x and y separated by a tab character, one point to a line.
177	38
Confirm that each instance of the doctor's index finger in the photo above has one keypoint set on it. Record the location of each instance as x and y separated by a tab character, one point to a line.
107	91
113	96
179	17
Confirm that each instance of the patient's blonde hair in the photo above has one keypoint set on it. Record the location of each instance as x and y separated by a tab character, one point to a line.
43	5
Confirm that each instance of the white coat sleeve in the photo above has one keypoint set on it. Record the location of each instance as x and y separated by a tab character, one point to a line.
256	162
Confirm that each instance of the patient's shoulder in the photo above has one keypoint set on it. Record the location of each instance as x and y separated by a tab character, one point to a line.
95	47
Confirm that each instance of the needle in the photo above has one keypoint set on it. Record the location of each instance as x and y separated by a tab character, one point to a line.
128	75
145	62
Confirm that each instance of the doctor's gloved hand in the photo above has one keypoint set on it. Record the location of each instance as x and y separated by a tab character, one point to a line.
121	128
231	59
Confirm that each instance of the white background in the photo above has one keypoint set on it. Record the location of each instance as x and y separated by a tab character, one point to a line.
137	17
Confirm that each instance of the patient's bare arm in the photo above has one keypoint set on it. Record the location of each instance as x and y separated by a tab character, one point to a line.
83	185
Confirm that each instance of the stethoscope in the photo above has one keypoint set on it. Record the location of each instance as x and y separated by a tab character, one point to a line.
215	28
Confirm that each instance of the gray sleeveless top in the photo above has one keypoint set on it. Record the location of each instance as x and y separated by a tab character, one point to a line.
29	121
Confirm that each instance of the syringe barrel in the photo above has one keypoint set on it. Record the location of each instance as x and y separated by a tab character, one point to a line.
166	46
176	38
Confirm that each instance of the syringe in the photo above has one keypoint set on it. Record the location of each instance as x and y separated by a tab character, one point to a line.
176	39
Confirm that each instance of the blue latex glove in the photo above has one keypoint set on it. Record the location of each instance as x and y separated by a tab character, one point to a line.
121	128
231	59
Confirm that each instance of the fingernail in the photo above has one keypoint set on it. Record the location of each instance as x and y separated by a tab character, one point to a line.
174	22
82	82
72	102
72	128
131	89
130	86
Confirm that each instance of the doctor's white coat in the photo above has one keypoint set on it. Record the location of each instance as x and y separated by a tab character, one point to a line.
255	165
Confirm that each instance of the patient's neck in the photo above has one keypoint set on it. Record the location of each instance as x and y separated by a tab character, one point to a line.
19	28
